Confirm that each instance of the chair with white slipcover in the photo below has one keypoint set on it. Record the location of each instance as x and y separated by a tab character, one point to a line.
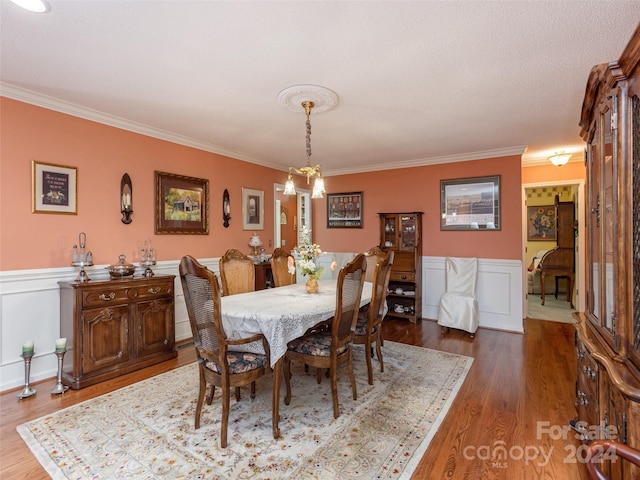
458	304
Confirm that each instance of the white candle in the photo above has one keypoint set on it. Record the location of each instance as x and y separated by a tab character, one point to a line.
27	348
61	345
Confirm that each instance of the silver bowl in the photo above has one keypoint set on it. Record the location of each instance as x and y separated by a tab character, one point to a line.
121	269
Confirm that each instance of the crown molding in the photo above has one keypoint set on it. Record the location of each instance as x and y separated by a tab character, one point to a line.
421	162
28	96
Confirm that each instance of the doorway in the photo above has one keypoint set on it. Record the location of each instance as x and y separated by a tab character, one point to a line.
544	193
291	212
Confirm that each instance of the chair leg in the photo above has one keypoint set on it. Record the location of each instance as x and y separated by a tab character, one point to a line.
351	374
201	394
379	351
253	390
444	330
287	380
334	389
211	394
225	417
319	375
237	394
369	348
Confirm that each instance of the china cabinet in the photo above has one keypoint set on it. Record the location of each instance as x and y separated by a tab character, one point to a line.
114	327
608	331
402	233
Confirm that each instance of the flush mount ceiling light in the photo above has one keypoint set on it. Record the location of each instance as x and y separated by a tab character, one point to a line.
304	98
559	158
37	6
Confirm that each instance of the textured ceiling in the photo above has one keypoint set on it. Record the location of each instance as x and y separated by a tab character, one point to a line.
418	82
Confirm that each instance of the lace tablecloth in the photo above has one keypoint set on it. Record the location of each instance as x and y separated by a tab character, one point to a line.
281	314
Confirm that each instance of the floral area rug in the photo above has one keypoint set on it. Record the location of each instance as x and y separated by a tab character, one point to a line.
146	430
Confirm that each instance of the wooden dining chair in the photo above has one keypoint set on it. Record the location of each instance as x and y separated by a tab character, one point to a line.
369	326
280	268
373	256
328	349
237	272
218	364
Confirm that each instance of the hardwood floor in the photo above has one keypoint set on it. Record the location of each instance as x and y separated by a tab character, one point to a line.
518	395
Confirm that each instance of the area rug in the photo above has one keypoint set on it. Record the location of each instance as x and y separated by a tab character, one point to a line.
146	430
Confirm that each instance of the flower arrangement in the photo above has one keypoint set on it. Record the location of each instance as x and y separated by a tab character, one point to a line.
543	221
306	255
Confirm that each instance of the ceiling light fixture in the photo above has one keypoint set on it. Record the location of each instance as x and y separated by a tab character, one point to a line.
308	170
309	97
559	158
37	6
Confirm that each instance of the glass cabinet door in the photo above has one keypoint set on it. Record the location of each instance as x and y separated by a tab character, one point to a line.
603	232
408	232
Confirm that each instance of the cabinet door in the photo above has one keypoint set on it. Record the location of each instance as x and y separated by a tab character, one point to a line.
389	230
602	230
155	326
105	332
408	233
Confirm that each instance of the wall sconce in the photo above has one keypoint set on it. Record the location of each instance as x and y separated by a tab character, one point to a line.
126	195
226	209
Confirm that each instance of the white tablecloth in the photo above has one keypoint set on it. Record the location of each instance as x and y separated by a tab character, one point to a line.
281	314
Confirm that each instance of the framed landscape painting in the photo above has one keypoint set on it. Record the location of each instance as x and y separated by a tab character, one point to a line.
182	204
470	204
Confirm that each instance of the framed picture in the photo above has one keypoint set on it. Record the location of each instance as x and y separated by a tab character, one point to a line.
55	188
470	204
541	223
182	204
252	209
344	210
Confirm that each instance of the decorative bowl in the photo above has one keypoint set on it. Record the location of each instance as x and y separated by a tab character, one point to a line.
121	269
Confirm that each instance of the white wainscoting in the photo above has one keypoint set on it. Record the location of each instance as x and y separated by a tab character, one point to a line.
30	306
500	292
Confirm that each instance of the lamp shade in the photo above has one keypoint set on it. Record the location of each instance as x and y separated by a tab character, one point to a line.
255	241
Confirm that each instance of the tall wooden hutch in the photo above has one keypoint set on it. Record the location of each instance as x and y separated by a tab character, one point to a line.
402	233
608	333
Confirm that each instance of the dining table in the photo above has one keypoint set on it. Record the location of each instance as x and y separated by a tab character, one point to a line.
281	314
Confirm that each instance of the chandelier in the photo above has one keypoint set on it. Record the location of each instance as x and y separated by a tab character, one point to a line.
308	170
307	96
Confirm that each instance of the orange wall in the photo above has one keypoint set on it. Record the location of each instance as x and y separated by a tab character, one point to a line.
418	189
551	173
103	154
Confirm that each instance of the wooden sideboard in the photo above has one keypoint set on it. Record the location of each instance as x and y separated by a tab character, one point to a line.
114	327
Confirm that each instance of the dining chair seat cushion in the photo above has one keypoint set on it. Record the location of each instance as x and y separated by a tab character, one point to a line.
240	362
361	328
317	344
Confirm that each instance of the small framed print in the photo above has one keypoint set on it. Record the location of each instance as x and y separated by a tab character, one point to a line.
181	204
252	209
55	188
344	210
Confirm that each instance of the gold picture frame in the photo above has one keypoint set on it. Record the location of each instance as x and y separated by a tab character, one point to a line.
182	204
54	188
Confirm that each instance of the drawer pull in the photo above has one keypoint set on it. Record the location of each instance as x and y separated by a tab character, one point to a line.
154	291
106	298
120	354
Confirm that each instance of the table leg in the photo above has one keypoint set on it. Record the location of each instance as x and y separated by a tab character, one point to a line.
570	291
275	408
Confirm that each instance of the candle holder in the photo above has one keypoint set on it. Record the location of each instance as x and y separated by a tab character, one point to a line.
59	388
27	391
